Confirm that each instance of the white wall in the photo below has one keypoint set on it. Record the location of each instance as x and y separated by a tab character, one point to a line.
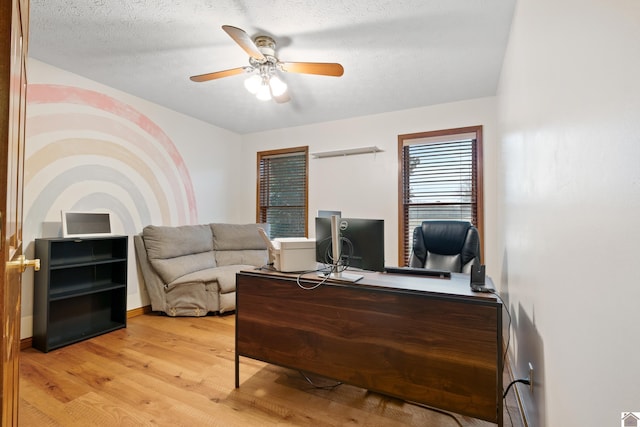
91	147
569	114
367	185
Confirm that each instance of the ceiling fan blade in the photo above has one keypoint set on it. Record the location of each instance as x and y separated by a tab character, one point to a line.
321	68
217	75
245	42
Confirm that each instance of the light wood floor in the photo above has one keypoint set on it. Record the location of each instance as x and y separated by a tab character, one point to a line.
163	371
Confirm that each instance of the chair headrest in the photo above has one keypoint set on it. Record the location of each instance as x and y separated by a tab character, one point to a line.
445	237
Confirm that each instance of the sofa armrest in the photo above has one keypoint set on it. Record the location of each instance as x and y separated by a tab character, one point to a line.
153	283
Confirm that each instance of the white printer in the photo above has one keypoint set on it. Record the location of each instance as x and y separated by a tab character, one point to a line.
291	254
294	254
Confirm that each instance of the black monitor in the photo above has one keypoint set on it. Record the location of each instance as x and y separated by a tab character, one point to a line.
362	243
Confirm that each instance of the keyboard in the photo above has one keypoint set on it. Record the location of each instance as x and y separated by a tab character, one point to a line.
419	271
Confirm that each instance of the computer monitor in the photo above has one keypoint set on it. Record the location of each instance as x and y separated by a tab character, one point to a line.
362	243
85	224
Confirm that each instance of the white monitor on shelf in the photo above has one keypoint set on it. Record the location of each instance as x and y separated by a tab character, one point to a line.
86	224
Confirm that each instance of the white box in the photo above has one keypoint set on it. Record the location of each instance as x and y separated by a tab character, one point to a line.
295	254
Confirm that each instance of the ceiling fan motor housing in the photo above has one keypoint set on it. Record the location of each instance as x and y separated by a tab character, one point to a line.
266	45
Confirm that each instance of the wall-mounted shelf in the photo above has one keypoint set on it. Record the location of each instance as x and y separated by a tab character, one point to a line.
346	152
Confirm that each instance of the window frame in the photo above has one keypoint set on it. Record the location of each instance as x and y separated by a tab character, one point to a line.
405	236
260	155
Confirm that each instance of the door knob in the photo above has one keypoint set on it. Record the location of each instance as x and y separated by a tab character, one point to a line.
22	263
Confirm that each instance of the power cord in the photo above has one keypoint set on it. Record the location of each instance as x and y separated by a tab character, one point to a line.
331	266
520	380
506	309
325	277
321	387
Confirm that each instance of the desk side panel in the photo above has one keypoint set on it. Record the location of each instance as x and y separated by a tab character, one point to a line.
437	351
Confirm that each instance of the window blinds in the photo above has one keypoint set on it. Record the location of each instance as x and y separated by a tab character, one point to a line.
283	193
439	181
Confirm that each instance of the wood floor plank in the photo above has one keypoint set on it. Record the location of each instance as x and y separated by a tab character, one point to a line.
103	410
162	371
38	407
31	415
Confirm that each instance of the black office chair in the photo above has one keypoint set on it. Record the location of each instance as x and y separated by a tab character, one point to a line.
446	245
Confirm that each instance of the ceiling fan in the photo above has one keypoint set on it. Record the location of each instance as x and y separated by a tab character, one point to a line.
264	67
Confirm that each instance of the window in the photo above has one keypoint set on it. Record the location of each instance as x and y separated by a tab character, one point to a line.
282	191
440	178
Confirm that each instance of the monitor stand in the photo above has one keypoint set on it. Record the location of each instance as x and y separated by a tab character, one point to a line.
335	252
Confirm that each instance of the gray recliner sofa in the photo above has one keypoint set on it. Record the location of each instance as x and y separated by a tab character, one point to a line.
190	270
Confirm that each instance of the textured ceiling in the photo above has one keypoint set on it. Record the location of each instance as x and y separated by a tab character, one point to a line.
397	54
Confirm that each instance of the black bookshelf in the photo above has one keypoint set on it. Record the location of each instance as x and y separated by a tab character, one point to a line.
80	291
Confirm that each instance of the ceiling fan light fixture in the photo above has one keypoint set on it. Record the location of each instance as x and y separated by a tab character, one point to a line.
253	83
264	93
278	87
264	65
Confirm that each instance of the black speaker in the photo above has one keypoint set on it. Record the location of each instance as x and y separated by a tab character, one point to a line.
477	279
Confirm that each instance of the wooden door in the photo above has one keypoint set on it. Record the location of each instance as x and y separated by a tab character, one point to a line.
14	18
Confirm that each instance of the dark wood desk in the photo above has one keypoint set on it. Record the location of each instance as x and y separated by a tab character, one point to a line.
425	340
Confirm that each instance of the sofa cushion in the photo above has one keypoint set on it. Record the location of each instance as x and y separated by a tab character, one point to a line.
225	277
228	237
255	258
218	282
173	268
164	242
239	244
176	251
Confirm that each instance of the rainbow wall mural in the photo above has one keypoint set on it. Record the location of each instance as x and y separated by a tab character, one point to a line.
88	151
